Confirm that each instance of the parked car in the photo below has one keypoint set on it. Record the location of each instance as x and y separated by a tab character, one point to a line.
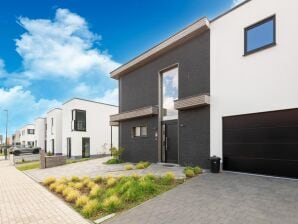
18	151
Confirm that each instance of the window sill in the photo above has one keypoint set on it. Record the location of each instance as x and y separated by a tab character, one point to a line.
259	49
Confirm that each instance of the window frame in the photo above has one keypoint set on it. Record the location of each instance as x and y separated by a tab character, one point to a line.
74	120
30	131
133	131
263	21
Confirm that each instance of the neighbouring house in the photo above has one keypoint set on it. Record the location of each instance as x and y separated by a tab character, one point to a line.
225	87
164	108
40	133
27	135
54	131
16	138
254	94
86	131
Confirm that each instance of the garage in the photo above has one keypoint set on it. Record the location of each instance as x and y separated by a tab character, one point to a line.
262	143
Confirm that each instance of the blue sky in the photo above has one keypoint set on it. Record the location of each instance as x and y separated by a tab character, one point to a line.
51	51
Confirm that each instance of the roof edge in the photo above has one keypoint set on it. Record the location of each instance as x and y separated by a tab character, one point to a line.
91	101
200	25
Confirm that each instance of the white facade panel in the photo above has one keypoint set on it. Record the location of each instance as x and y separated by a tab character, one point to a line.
263	81
54	131
97	127
40	132
26	138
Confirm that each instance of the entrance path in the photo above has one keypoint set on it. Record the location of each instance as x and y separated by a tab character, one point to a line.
23	201
225	198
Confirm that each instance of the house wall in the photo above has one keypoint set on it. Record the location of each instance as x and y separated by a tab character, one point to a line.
24	136
263	81
97	127
40	135
139	88
55	132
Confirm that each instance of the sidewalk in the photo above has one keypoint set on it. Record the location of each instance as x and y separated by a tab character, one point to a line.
24	201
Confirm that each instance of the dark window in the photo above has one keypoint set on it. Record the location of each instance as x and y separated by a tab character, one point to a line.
79	120
30	131
140	131
260	35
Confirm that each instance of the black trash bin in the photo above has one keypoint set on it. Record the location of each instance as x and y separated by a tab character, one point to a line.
214	164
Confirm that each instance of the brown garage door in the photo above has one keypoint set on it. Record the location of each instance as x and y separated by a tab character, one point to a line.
262	143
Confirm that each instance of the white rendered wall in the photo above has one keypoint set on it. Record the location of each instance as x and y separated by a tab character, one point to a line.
40	135
24	136
263	81
97	127
55	132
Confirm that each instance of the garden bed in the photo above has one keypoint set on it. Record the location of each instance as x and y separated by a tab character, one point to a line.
95	198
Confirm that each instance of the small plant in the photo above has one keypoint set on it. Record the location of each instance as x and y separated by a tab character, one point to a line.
86	181
142	165
78	186
82	200
60	188
53	186
90	184
62	180
116	153
111	181
111	203
72	195
114	161
128	167
189	173
149	176
66	191
90	208
95	191
197	170
75	179
168	178
49	181
50	154
98	179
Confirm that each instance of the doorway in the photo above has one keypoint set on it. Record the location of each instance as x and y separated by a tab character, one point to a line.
170	141
53	146
68	147
85	147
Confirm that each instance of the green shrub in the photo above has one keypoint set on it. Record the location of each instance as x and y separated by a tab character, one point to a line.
111	181
90	208
91	184
189	173
128	167
49	180
111	203
168	178
66	191
150	176
114	161
95	191
62	180
148	187
60	188
98	179
75	179
116	153
142	165
82	200
72	195
53	186
78	186
197	170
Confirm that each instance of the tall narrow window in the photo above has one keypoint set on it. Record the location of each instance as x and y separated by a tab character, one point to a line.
170	93
79	120
260	35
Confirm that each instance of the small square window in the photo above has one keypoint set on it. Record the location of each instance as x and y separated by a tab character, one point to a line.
144	131
260	35
140	131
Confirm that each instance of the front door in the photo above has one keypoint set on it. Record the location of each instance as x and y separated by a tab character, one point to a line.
68	147
170	141
85	147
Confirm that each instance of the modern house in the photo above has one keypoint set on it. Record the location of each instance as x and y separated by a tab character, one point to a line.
16	138
164	111
86	130
54	131
225	87
40	133
254	94
27	135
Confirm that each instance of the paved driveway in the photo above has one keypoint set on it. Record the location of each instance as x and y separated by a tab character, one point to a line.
96	167
23	201
220	198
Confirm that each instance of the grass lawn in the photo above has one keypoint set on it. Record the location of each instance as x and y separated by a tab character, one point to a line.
28	165
95	198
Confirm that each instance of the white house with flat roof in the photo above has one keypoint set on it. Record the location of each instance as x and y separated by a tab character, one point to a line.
54	131
86	130
27	135
40	132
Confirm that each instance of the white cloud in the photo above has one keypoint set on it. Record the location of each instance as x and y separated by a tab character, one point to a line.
22	104
62	47
110	97
236	2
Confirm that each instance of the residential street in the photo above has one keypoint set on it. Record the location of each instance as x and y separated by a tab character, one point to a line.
224	198
24	201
